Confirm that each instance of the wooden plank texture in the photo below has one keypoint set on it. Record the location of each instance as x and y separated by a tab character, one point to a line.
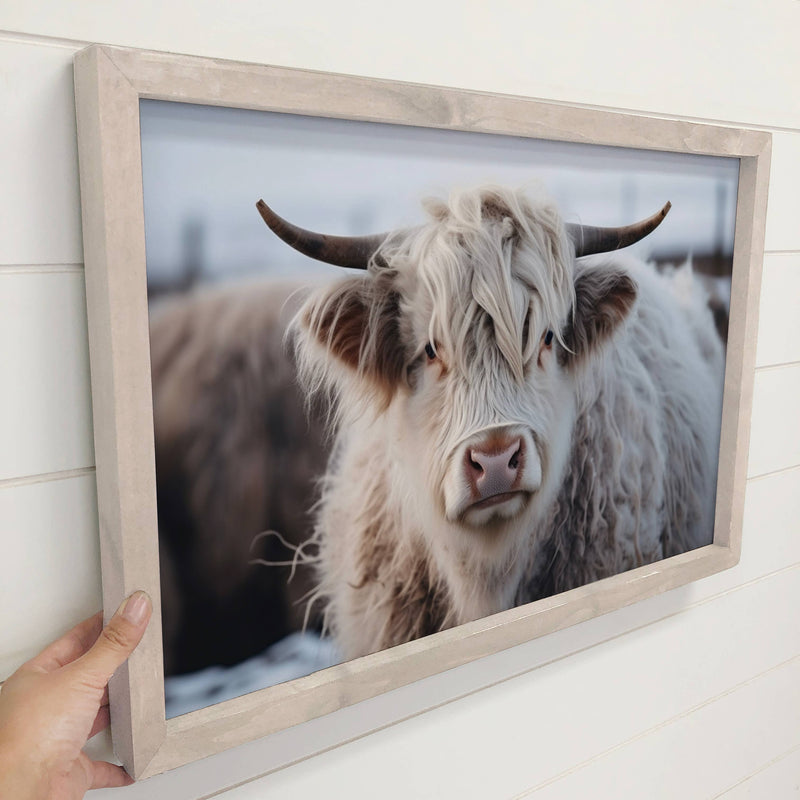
698	60
511	738
46	421
779	320
49	536
39	202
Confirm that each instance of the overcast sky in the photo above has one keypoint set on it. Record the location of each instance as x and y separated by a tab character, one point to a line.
205	167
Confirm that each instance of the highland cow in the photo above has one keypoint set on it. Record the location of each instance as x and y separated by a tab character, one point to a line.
511	419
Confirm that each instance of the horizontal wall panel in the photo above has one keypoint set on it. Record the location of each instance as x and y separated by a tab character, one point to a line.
621	684
699	755
779	318
45	405
775	427
779	780
50	565
770	537
40	220
770	541
783	222
701	60
522	733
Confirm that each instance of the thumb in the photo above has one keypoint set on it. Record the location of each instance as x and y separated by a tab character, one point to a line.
119	638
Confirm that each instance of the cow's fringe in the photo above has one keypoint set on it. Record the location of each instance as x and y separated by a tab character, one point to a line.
521	286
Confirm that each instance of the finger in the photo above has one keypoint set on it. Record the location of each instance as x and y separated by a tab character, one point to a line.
73	644
101	722
118	639
106	776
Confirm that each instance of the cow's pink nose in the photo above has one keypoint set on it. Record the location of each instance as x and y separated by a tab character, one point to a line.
494	470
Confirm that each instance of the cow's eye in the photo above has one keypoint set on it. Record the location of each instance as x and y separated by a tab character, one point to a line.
526	330
430	352
548	338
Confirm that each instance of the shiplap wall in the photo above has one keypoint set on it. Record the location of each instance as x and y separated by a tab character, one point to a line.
695	693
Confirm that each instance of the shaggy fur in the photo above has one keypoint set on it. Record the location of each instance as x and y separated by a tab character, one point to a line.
444	344
229	421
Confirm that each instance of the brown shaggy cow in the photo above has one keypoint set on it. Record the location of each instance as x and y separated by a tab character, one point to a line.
228	418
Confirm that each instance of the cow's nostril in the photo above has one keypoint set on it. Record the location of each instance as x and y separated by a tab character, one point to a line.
494	468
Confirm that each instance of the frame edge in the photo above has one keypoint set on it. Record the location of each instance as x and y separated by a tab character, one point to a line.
125	497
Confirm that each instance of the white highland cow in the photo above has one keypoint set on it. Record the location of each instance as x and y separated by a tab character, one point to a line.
510	419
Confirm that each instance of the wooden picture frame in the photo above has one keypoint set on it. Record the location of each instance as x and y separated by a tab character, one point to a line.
109	83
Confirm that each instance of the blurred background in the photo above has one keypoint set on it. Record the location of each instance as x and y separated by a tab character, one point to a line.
236	455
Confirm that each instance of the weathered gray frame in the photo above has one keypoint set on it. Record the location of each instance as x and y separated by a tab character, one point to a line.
109	83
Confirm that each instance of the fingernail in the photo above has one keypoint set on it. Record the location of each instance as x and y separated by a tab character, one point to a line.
136	608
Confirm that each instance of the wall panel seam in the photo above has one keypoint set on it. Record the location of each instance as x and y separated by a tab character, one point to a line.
24	37
770	473
23	269
44	477
19	37
767	475
663	724
778	365
758	771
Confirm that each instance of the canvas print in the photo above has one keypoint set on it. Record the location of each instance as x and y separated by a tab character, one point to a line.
407	378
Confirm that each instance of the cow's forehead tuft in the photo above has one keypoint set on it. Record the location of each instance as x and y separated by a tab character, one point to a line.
487	264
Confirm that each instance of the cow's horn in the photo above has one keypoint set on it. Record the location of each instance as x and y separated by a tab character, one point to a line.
589	240
343	251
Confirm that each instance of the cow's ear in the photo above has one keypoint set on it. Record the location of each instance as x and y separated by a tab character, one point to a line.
357	321
603	298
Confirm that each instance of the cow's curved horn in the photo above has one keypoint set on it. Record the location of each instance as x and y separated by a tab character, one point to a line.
589	240
343	251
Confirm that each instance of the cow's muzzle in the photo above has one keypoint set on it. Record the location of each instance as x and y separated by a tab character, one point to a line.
493	467
498	471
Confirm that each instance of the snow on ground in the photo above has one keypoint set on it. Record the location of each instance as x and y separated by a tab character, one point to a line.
297	655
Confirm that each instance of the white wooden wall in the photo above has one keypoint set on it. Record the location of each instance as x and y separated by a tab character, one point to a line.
693	694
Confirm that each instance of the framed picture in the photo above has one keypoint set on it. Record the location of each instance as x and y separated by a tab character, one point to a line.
387	377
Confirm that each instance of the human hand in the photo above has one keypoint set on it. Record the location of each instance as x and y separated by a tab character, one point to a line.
58	700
